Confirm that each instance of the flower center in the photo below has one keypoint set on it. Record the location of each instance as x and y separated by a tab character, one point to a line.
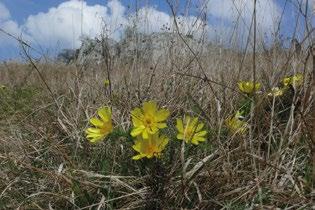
151	149
106	128
188	134
148	121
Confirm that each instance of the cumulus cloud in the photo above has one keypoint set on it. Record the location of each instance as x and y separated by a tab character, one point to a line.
241	11
7	25
149	20
4	12
64	24
67	22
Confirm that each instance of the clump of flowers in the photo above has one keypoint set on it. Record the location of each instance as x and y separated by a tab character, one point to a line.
150	147
148	119
248	87
190	130
295	80
236	124
102	125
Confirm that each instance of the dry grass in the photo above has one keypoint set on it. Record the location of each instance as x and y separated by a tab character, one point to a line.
46	162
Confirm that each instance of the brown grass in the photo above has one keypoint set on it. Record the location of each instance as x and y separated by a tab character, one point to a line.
46	162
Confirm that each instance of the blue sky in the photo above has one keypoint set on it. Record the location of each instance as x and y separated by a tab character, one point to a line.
51	25
21	9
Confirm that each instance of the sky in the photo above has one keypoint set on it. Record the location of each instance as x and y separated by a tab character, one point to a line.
52	25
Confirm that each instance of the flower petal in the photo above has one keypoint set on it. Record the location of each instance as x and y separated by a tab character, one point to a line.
93	130
137	131
162	115
180	136
94	138
145	134
163	142
96	122
201	133
198	139
93	135
104	113
179	125
152	130
137	146
161	125
194	122
187	121
150	107
138	157
199	127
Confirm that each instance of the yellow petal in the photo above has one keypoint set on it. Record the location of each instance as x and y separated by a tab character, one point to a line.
201	133
93	130
161	125
104	113
106	82
137	131
150	107
196	140
149	156
199	127
163	143
137	122
94	135
137	116
194	122
187	120
180	136
138	157
257	86
145	134
137	113
152	130
162	115
137	147
96	122
95	138
179	125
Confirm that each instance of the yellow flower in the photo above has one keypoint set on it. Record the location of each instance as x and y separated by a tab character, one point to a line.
248	86
150	147
190	130
106	82
148	120
102	126
295	80
275	92
235	124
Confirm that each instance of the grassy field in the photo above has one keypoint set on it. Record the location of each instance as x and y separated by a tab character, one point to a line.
47	162
201	127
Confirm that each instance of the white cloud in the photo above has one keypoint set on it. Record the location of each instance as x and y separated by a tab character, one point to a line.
7	25
149	19
63	24
268	13
4	12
